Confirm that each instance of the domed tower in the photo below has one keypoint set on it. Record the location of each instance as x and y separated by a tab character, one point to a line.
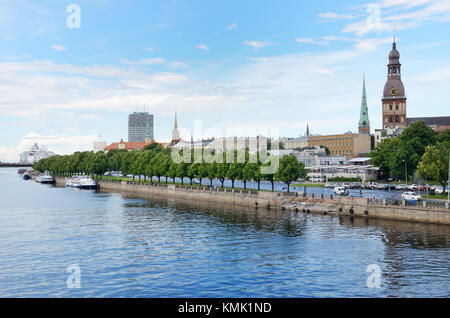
394	98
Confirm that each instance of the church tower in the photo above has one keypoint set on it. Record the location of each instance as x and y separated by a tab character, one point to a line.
394	98
175	133
364	123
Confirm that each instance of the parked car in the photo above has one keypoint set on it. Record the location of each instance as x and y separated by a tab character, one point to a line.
340	191
356	185
411	196
440	190
388	187
412	187
402	187
372	185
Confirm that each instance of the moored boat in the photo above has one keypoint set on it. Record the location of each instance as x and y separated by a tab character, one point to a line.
45	179
81	182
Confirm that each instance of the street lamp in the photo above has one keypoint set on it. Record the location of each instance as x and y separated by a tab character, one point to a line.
448	181
406	173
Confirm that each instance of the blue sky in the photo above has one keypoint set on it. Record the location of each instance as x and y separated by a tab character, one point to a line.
231	64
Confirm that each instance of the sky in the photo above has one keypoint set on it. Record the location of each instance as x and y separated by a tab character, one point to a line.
72	71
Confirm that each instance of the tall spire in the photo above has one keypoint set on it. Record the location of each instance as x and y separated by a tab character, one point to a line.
364	123
175	132
307	129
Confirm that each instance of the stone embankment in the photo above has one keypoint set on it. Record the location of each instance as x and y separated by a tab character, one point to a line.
296	202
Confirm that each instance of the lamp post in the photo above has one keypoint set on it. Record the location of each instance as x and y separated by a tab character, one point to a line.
448	181
406	173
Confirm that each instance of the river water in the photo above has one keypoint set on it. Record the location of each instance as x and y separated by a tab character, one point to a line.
127	246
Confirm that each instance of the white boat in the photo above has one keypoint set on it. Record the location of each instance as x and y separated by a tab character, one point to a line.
81	182
340	191
46	179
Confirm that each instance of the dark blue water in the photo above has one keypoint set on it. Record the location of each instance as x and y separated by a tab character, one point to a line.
150	247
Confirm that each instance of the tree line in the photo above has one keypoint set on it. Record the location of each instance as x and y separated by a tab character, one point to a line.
154	161
417	151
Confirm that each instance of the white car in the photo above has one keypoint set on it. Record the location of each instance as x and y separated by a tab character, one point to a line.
440	190
402	187
340	191
411	196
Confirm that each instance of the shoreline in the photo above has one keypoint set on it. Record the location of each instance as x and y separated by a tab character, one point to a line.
293	202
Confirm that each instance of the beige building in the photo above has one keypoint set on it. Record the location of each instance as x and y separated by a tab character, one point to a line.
294	143
99	146
348	145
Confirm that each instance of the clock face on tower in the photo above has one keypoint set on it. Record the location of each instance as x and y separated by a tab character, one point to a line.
394	91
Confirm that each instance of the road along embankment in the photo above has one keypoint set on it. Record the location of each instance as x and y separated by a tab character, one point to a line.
295	202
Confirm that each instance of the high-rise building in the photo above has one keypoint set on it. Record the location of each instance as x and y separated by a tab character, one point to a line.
394	98
140	127
364	123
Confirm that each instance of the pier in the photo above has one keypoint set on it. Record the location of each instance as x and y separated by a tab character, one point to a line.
15	165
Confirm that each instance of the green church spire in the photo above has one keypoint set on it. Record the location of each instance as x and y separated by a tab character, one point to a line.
364	123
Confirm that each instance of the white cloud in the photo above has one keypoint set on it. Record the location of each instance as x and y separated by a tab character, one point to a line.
368	44
371	44
150	61
257	45
335	16
232	26
305	40
179	65
59	47
440	74
202	47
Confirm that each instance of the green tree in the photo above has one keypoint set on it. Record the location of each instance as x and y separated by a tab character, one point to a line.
192	171
156	147
443	136
202	171
252	172
172	172
212	172
100	164
289	170
182	171
383	154
434	163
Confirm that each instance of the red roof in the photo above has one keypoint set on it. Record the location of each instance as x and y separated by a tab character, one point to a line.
130	145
